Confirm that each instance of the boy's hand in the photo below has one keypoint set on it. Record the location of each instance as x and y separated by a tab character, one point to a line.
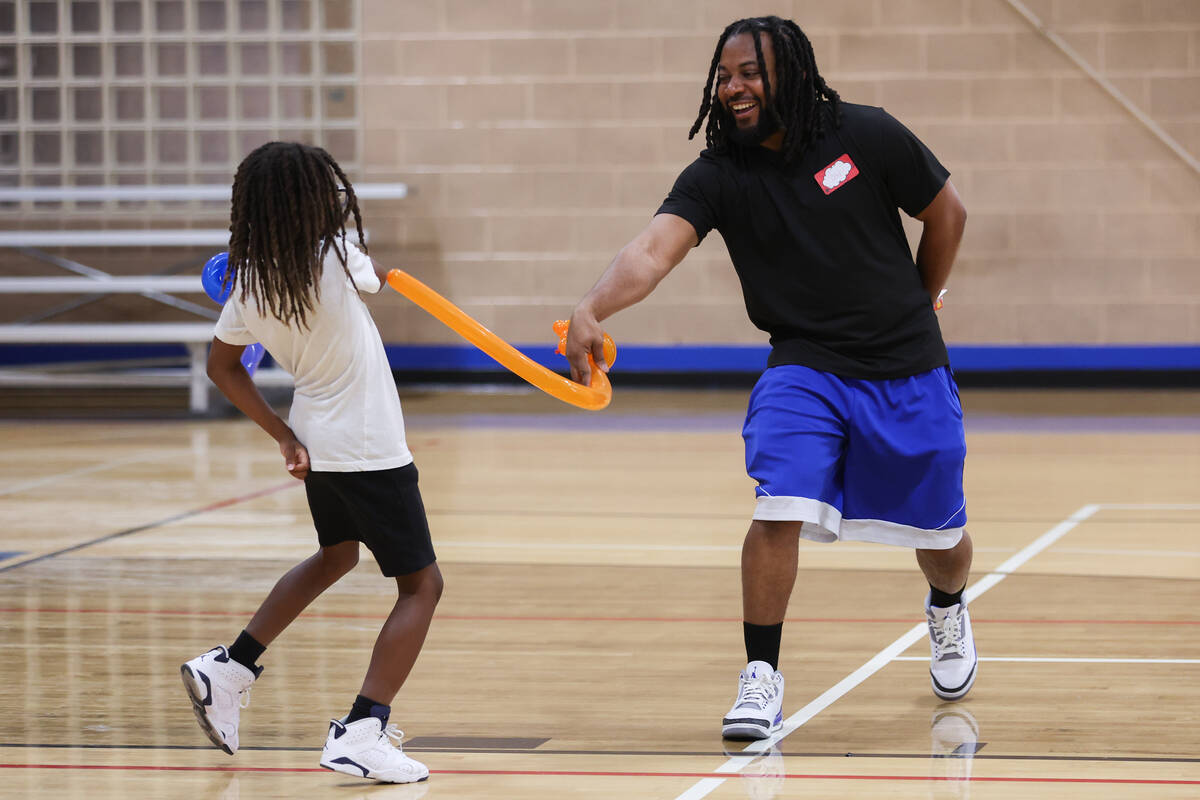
295	457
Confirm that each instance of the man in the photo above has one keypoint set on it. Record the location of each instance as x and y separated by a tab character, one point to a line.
854	431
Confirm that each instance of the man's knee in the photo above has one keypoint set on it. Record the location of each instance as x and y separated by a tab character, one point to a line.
775	530
963	548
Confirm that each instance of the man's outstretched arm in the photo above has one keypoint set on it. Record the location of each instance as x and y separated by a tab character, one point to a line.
632	275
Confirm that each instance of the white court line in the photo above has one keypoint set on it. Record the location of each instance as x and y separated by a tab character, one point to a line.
1150	506
918	632
1056	660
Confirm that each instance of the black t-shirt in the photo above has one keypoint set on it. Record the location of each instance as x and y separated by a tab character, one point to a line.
818	245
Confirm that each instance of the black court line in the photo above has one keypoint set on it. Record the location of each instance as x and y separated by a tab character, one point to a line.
656	753
151	525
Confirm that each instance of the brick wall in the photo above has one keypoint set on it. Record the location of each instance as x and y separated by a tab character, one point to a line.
540	135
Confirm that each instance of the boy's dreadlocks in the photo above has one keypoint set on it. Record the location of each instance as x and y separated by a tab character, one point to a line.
286	214
795	103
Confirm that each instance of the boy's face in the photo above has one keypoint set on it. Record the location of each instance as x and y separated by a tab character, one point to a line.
741	93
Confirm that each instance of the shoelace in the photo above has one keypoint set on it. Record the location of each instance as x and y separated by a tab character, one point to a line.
244	698
393	733
947	635
757	691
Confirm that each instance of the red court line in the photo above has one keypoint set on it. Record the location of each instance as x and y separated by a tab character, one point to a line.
527	618
623	774
230	501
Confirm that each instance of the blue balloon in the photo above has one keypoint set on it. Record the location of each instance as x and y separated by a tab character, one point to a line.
213	278
251	357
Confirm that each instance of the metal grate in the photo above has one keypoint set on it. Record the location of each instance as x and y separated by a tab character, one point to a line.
145	92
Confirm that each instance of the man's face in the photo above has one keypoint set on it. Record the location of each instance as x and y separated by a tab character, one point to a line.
741	93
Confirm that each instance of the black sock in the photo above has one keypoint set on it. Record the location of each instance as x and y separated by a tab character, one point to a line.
762	642
246	651
366	707
940	599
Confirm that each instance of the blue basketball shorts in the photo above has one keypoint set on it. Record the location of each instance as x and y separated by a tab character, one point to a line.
859	460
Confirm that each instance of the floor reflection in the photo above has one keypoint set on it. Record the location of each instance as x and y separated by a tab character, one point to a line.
763	778
953	742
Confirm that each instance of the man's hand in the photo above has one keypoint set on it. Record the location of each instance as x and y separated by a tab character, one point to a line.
295	457
584	336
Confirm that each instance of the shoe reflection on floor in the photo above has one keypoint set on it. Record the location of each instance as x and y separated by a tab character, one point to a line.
953	742
762	778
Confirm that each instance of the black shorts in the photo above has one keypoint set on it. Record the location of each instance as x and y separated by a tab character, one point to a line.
382	509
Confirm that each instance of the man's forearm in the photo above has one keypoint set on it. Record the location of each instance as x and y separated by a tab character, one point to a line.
624	283
936	252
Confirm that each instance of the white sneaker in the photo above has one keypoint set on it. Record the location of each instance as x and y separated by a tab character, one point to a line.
758	710
952	658
219	688
365	749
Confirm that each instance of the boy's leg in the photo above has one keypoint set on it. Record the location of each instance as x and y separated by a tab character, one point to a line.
362	743
301	585
217	682
387	510
400	640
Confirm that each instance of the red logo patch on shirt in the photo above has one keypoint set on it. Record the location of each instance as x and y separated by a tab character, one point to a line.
836	175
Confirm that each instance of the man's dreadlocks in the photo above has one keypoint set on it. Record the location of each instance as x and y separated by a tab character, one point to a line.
795	103
287	213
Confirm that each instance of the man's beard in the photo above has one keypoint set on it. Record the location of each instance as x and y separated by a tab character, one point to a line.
754	135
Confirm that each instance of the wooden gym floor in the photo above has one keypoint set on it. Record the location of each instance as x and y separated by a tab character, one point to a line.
589	639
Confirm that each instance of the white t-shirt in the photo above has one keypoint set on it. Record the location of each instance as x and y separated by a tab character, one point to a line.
345	409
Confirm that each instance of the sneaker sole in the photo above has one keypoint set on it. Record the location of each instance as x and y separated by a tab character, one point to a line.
345	769
954	694
744	731
192	685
